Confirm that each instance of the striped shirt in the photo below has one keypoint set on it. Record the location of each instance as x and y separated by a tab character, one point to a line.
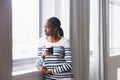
60	62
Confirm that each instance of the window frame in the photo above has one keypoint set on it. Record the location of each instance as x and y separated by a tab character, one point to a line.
21	64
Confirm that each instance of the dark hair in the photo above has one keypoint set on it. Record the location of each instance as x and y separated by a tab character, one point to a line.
56	23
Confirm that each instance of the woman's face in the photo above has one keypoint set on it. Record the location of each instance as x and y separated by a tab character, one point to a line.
49	29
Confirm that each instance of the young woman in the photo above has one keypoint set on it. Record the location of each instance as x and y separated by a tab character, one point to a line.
58	64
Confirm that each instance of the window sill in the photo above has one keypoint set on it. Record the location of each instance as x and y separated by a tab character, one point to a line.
24	66
114	52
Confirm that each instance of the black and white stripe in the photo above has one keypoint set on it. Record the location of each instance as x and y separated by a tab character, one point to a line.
60	62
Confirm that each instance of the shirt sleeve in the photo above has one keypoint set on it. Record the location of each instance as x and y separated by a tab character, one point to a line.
39	61
67	66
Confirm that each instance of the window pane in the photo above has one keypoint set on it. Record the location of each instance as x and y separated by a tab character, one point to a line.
57	8
25	28
114	29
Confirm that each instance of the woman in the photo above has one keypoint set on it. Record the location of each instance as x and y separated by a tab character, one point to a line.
58	65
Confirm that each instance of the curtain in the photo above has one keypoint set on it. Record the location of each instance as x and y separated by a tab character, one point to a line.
79	36
94	40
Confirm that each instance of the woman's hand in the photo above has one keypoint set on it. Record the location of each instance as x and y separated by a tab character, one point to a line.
45	70
46	53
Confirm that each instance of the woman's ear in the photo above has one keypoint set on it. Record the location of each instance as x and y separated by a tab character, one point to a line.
55	29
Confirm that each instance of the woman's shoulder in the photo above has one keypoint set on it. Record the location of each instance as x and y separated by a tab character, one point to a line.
66	42
65	39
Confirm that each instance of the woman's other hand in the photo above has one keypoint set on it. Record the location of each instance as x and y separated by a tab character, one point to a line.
45	70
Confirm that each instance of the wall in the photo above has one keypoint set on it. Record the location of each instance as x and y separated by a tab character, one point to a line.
5	40
29	76
114	64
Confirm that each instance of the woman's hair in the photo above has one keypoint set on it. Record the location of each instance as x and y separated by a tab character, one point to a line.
56	23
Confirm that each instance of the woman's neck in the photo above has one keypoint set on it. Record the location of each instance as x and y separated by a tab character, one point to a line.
53	39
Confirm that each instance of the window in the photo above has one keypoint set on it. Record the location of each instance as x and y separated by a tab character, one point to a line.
25	28
25	32
114	29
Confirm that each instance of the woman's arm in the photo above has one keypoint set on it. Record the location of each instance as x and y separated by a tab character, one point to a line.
40	59
67	66
45	70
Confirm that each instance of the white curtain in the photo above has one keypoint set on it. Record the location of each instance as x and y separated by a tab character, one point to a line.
79	36
94	40
99	60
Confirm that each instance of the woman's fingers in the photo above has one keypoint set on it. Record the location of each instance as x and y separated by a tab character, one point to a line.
46	53
42	68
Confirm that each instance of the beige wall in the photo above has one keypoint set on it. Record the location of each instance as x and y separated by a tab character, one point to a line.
5	40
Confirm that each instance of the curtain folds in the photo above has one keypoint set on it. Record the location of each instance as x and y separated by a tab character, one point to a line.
79	36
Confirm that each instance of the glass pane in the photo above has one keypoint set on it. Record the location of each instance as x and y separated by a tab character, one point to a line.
59	9
25	28
114	29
